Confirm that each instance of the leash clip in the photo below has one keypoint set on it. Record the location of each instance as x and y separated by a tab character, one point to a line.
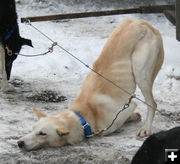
129	101
131	97
52	47
9	52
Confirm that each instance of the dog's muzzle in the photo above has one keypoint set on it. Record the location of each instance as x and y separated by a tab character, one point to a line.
21	144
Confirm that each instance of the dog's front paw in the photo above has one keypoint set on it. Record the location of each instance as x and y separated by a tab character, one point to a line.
144	131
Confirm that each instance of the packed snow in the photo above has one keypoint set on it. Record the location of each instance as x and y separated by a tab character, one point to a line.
61	75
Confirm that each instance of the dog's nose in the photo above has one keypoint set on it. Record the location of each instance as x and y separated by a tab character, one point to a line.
20	144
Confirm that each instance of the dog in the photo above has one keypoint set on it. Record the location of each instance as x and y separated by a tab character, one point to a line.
10	41
132	56
153	148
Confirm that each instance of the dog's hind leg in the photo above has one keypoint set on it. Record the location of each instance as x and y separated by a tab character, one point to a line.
4	83
147	60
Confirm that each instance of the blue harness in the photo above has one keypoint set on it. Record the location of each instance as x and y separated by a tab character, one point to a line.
85	125
9	34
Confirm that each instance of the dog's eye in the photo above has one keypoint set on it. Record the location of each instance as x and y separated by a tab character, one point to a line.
42	134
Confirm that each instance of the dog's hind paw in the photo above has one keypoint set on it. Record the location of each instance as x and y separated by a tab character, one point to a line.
134	117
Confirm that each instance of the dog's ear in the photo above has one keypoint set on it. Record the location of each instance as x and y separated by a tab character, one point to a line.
62	132
38	113
27	42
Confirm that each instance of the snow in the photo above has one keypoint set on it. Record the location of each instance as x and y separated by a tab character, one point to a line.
61	73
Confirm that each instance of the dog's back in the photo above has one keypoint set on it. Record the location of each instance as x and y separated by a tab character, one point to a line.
117	61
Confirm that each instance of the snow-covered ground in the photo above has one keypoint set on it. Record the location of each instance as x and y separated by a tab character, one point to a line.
60	73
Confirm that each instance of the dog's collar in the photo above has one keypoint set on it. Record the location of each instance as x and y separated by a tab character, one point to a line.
85	125
9	34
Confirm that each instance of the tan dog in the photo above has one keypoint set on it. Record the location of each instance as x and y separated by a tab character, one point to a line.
132	55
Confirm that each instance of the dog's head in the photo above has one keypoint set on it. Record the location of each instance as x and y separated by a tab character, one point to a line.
51	131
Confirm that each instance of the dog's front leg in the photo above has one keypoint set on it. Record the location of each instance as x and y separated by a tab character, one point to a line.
5	87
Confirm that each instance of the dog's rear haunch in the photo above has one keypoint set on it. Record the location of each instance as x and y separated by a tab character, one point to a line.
9	39
132	56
